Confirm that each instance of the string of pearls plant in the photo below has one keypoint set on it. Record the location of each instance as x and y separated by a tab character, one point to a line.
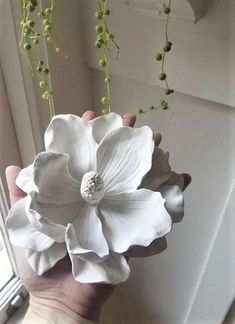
161	57
32	34
104	37
102	40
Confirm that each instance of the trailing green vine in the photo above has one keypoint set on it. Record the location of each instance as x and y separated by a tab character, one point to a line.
161	57
104	37
167	47
32	34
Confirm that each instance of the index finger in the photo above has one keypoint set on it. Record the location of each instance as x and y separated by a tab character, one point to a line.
15	192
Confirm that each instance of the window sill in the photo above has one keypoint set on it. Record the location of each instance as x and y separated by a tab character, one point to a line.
18	316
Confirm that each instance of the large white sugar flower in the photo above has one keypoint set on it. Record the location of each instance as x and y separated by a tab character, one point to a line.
93	194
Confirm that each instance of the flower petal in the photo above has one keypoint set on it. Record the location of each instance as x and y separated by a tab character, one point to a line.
22	233
113	270
72	135
54	183
174	201
124	157
51	219
41	262
42	224
133	218
160	170
85	237
102	125
156	247
25	179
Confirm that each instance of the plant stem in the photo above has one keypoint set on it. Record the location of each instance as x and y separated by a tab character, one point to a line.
28	45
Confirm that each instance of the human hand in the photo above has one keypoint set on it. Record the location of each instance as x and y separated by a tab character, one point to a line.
56	296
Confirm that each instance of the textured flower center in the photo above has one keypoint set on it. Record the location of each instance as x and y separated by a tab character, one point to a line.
92	187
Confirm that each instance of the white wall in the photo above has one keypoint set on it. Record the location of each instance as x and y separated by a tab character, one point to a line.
71	77
198	134
183	285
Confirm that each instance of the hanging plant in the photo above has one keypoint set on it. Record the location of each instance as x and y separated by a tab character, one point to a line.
104	38
161	57
31	35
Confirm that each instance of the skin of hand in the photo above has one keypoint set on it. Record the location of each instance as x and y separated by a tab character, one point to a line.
56	294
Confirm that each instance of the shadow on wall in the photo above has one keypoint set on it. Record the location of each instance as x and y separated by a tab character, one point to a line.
230	317
122	307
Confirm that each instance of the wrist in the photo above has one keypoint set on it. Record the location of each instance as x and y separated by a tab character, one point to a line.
48	311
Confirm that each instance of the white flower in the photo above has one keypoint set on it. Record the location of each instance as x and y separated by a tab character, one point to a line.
84	198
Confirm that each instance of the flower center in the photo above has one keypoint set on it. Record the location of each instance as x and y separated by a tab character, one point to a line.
92	187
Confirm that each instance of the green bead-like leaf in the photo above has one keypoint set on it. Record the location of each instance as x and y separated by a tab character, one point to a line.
103	62
99	29
158	56
162	76
104	100
167	47
167	10
27	46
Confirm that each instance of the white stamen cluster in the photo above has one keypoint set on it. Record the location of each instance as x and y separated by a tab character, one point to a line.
92	187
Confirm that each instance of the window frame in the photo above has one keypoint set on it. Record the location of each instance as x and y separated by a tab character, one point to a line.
25	110
14	287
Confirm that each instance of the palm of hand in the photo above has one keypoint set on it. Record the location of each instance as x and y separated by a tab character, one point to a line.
59	285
